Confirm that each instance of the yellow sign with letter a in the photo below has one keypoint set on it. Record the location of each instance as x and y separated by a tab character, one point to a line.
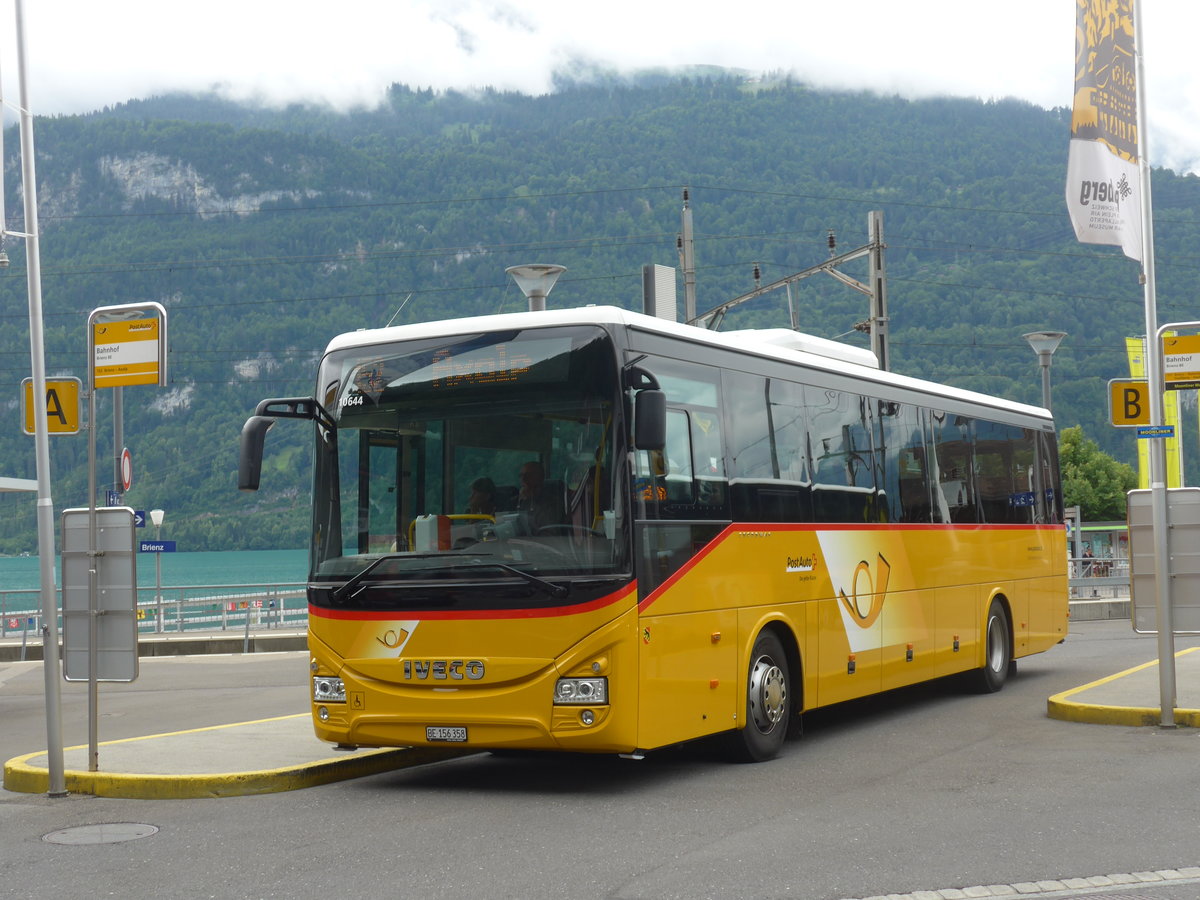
62	405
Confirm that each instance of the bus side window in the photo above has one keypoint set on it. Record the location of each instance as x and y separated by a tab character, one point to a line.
789	429
665	476
1005	459
768	449
954	468
902	463
694	485
843	480
678	458
1050	500
708	458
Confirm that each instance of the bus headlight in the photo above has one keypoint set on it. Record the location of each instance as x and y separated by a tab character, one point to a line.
589	691
327	689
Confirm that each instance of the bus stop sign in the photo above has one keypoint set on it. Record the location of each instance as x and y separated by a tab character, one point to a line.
1129	402
62	405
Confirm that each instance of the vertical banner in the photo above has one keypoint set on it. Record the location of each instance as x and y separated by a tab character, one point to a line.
1103	186
1135	349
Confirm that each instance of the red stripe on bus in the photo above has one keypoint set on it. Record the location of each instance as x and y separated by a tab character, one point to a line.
363	615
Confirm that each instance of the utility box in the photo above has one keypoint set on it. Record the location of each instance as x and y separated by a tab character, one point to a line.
1183	554
115	608
658	292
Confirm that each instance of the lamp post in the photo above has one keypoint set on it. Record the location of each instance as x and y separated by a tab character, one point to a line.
156	516
1044	343
536	280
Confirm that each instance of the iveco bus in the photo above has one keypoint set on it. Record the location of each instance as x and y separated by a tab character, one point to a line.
595	530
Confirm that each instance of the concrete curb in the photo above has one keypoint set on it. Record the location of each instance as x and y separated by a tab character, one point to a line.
21	775
1069	706
1100	608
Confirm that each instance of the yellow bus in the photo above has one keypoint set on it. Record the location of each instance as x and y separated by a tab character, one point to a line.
595	530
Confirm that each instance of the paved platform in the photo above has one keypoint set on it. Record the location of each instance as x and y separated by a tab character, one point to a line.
1132	697
282	754
261	757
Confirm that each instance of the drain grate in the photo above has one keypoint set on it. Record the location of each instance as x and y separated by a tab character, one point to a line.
109	833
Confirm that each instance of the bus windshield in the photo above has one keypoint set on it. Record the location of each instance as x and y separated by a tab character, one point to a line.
480	458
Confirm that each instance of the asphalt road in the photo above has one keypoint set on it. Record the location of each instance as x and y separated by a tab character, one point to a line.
920	790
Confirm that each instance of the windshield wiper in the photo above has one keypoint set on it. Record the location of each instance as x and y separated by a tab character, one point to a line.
341	594
557	591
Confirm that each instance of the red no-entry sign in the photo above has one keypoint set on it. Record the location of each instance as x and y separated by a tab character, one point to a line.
126	470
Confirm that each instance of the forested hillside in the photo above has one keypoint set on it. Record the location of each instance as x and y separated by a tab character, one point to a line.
266	232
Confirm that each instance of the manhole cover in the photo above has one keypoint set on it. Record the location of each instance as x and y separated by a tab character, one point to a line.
111	833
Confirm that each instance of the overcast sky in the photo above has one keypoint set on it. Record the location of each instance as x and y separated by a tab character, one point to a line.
84	54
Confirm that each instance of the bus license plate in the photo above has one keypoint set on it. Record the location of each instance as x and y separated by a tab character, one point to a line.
444	734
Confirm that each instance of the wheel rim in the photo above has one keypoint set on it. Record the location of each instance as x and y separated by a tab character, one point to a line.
767	694
997	644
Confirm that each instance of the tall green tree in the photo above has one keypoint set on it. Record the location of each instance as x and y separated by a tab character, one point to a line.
1093	480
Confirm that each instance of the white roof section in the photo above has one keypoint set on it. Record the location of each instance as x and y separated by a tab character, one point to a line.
806	343
772	343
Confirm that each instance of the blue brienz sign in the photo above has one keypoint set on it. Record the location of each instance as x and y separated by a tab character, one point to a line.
156	547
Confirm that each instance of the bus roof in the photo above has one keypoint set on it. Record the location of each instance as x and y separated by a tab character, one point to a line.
812	352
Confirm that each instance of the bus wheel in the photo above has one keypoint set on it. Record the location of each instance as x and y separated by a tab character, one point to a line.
997	657
768	703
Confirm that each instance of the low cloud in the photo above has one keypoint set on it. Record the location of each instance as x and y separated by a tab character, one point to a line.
348	55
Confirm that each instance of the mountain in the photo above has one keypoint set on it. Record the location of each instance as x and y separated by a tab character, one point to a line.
265	232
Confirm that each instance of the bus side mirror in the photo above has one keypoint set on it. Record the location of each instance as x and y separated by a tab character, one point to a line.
650	420
254	434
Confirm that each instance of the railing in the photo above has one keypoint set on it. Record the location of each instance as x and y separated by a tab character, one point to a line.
208	607
252	607
1099	578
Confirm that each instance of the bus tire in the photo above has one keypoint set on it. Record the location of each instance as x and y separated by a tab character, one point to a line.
997	651
768	702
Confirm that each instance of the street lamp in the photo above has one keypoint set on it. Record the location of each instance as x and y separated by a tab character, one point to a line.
156	516
1044	343
535	281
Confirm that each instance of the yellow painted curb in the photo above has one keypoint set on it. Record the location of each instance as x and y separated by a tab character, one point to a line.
21	777
1062	706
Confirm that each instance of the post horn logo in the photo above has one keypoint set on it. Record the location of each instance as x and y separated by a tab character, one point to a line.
872	598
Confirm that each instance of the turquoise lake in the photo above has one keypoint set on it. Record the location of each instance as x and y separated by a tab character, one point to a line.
181	569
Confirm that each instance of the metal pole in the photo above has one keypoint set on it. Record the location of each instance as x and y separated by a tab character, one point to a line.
1162	535
877	279
687	258
1154	362
1044	362
158	577
45	504
93	667
118	439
